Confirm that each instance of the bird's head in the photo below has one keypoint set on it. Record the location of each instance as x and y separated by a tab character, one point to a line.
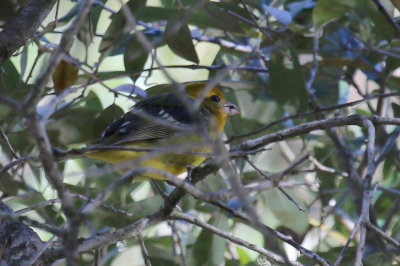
214	102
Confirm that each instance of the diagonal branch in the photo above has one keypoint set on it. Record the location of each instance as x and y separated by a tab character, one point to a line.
241	242
387	16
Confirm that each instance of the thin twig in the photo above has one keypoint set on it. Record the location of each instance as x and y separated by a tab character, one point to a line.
263	228
145	253
254	21
311	126
13	163
389	239
368	192
35	258
269	254
257	187
16	156
388	145
177	243
324	168
346	246
73	195
312	112
387	16
281	175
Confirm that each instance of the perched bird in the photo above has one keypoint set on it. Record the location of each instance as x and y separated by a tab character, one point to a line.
163	121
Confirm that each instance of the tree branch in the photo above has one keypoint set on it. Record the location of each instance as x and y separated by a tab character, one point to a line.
19	30
269	254
305	128
18	242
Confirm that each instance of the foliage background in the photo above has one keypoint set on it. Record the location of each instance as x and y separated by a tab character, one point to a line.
285	63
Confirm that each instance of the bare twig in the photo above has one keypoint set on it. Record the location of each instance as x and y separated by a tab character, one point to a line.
349	239
269	254
13	163
390	190
76	196
388	145
34	260
254	21
263	228
8	143
310	126
313	112
324	168
368	192
384	235
258	187
145	254
177	243
10	102
281	175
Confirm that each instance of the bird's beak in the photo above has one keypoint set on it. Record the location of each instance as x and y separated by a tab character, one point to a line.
231	109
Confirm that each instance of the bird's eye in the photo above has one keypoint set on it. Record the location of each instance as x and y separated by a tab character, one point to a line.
215	98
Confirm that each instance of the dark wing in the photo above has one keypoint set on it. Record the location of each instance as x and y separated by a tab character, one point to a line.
156	117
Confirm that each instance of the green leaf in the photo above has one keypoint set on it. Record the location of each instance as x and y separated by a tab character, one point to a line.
101	75
326	86
159	89
375	25
325	10
332	254
396	109
119	28
222	18
95	13
243	256
396	3
106	117
287	82
162	256
11	83
209	248
5	111
135	56
381	258
92	101
10	76
179	39
200	18
145	207
393	83
72	126
285	211
9	186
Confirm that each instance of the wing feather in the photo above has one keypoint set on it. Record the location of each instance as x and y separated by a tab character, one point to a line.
156	117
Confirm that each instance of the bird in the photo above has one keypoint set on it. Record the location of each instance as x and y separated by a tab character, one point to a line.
165	121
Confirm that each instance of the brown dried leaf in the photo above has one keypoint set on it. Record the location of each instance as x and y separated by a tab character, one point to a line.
65	75
396	3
